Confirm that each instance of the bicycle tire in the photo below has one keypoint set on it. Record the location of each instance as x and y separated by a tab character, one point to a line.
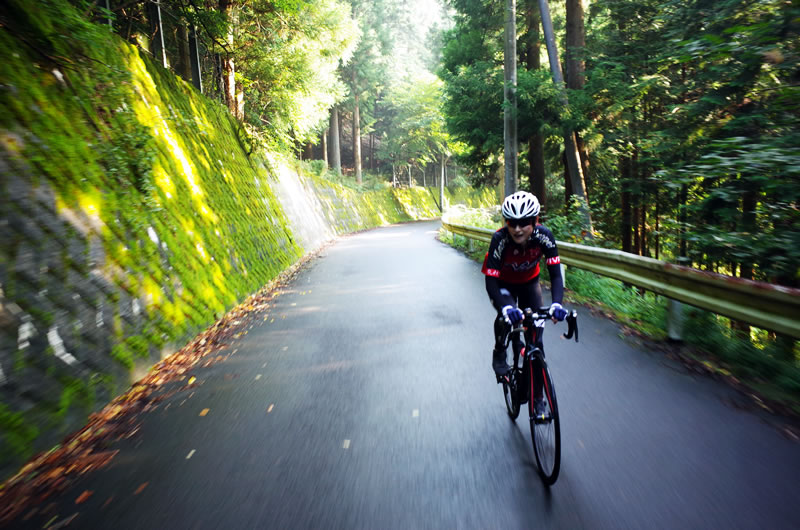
510	394
546	435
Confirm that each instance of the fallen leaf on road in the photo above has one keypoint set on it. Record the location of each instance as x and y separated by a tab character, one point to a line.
204	412
83	497
140	488
49	474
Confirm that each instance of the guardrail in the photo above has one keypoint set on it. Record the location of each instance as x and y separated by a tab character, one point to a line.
760	304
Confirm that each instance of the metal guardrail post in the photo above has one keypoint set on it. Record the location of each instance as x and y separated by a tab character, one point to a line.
674	320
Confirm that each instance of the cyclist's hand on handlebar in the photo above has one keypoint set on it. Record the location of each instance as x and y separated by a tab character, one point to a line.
557	312
512	315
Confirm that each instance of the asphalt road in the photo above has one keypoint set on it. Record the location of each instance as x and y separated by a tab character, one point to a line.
364	398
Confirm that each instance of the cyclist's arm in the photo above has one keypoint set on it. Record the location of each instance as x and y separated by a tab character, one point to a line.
492	264
550	250
556	281
500	297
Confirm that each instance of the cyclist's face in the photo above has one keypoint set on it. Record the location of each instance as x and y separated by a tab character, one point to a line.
520	229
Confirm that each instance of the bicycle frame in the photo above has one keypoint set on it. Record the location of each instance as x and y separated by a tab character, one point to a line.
532	330
532	381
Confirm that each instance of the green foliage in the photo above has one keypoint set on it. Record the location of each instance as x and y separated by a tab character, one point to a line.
17	435
568	226
73	390
122	354
287	58
472	70
473	110
416	130
770	369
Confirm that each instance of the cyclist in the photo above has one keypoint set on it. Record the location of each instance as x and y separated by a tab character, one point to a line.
511	267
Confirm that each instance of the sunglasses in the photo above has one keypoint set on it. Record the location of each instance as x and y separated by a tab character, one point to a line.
513	223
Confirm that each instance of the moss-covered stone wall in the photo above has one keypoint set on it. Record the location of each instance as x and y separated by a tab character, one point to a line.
132	216
134	212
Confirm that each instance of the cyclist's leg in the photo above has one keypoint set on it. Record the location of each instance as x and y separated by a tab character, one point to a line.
499	362
531	297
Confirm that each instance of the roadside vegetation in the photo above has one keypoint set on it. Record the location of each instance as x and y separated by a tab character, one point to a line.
755	365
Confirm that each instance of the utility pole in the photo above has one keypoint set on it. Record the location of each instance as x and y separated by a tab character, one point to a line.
336	152
157	48
108	12
571	151
510	144
194	58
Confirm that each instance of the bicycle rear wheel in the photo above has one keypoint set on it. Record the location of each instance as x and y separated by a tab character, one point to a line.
546	433
510	393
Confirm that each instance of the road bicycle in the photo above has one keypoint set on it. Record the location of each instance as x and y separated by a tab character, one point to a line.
519	386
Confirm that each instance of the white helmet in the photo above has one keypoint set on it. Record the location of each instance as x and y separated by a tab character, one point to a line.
520	205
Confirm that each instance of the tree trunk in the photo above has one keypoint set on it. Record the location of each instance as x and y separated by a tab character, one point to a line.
637	203
309	154
536	176
568	191
228	69
219	92
356	132
197	78
749	203
336	152
625	206
576	44
510	143
570	149
184	67
325	147
658	228
682	247
372	151
239	103
441	185
643	225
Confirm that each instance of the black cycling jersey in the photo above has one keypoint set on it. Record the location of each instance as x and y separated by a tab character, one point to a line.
512	271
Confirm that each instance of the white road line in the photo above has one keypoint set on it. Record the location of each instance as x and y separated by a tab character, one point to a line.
258	376
270	408
415	414
346	444
190	454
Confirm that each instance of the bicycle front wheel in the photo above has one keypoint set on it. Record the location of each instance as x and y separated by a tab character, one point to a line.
510	393
546	432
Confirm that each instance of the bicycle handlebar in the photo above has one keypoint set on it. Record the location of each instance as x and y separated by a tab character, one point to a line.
544	313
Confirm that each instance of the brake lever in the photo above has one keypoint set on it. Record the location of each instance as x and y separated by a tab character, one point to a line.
572	326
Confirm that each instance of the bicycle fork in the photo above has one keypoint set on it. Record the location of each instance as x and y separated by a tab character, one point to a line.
537	379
